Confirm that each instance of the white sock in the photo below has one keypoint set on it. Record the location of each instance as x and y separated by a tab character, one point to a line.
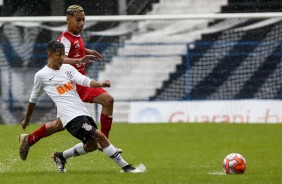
74	151
111	152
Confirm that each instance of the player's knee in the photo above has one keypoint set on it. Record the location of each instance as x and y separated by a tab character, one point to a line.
99	136
101	139
91	147
53	127
58	125
109	100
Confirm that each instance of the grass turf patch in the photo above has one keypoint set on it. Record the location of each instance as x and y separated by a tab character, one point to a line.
173	153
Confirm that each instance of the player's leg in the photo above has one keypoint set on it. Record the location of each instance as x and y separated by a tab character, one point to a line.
112	152
82	129
102	97
85	129
107	102
47	129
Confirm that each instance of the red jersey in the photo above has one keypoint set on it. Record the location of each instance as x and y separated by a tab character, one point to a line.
74	48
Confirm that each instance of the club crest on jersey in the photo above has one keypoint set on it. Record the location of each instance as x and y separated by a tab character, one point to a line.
69	75
76	44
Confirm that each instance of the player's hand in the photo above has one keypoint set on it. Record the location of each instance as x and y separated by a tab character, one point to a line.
106	83
88	59
24	124
94	53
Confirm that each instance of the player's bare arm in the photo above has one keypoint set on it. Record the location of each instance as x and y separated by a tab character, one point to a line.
85	59
94	53
95	84
28	114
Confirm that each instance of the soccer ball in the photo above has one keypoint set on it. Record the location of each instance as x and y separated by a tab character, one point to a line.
234	163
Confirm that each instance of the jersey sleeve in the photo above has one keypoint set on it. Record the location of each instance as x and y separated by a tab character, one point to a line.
66	43
79	78
37	90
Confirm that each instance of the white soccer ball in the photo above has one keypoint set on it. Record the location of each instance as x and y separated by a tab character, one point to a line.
234	163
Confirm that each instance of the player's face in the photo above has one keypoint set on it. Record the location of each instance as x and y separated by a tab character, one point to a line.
76	22
57	58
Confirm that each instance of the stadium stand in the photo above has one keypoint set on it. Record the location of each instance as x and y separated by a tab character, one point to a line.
23	53
159	56
235	6
229	75
158	60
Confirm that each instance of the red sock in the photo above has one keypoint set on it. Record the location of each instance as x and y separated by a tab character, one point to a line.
37	135
106	124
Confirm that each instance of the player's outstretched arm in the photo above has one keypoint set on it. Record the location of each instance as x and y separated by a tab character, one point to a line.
85	59
95	84
28	114
88	59
94	53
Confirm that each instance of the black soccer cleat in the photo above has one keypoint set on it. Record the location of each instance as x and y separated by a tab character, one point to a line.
130	169
60	162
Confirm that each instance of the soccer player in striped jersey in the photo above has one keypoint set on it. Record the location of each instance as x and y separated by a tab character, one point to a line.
59	81
78	56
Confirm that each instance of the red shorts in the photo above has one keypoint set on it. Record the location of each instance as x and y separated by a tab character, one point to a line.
87	94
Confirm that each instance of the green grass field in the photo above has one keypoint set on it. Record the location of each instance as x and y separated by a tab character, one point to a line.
173	153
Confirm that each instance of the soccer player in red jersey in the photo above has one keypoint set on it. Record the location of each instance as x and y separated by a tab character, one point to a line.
78	56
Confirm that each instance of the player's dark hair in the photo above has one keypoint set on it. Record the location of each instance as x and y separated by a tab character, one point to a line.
74	9
54	45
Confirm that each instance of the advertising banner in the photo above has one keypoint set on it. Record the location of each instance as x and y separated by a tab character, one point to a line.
237	111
